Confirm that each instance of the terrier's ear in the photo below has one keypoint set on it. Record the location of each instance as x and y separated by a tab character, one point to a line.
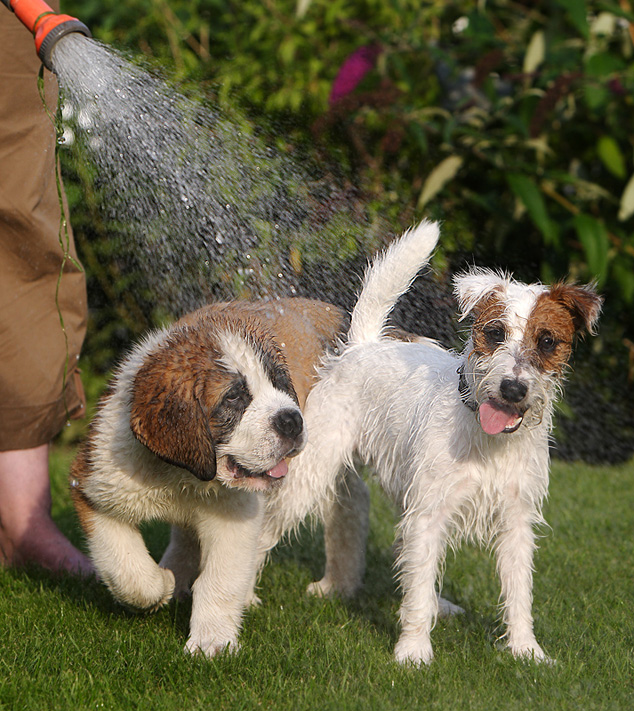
583	303
476	288
168	418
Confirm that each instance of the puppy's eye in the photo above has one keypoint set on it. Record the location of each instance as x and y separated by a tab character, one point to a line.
546	343
495	334
238	393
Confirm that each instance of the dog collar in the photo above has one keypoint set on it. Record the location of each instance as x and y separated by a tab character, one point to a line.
463	389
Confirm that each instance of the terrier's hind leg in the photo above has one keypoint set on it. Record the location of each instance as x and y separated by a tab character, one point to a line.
346	523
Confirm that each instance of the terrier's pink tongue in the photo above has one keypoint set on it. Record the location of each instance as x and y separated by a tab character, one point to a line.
279	470
493	420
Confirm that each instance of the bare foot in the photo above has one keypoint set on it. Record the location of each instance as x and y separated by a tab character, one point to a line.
47	546
28	534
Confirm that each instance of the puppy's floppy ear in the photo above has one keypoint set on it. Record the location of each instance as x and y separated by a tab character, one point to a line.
475	289
167	416
583	303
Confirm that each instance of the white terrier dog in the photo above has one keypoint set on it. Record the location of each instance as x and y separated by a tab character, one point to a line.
459	441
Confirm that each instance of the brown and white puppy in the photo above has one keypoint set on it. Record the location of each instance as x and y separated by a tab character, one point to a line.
195	425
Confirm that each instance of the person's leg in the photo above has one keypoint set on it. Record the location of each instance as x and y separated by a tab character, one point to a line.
39	384
28	533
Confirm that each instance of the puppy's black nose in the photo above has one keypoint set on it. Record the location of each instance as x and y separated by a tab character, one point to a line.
513	390
288	423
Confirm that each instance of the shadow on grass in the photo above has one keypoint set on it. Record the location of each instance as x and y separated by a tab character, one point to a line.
302	559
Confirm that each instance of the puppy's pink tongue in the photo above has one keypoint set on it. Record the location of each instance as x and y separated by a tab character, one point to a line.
279	470
493	420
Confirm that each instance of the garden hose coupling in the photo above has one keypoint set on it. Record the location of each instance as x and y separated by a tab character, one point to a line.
47	26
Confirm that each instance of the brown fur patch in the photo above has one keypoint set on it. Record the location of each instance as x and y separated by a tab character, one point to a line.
583	303
174	393
564	311
489	321
79	471
549	322
302	328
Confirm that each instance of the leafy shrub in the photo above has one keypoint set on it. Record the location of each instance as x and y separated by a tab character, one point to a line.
517	115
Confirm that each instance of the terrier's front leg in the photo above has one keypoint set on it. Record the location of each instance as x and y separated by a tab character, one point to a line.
514	550
419	561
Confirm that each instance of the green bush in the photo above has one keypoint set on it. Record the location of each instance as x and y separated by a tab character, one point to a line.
513	118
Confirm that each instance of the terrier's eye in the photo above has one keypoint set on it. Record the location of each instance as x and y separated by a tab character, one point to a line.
495	334
546	343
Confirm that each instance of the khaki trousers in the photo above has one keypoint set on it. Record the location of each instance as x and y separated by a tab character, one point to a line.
39	383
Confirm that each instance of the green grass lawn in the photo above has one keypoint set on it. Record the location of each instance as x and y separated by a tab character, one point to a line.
67	645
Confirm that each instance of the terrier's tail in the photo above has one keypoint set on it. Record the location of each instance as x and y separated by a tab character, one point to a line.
388	277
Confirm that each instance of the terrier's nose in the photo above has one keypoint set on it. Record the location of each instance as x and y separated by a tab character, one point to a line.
288	423
513	390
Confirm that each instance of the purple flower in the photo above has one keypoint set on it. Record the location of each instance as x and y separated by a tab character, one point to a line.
352	71
616	87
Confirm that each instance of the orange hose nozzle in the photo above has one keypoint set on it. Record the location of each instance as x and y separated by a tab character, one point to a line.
47	26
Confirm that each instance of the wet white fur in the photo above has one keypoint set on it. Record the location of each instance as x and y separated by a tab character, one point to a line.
253	443
397	406
215	526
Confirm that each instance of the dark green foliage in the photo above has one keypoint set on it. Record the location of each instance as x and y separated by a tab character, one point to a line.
532	100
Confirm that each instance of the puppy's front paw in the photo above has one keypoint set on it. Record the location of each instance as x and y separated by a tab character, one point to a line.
413	650
211	646
153	593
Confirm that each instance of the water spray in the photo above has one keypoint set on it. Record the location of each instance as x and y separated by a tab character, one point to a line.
47	26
